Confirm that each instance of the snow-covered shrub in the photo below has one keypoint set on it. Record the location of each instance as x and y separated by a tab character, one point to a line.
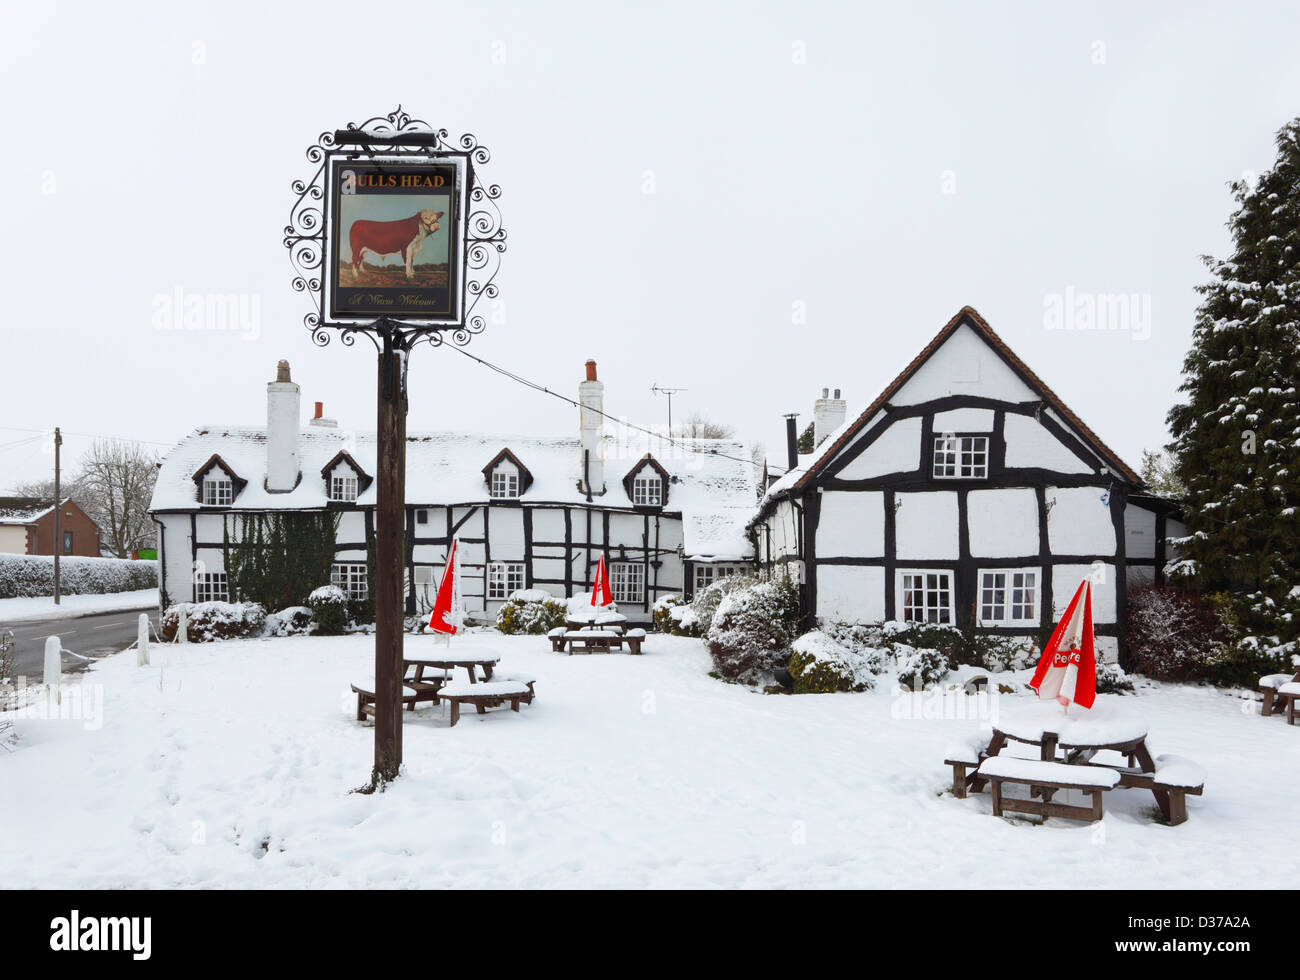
33	575
706	601
919	667
820	664
329	610
208	621
294	621
673	614
530	611
1170	633
1111	679
752	629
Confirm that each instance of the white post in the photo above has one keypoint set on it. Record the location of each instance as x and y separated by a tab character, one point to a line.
142	641
183	629
53	666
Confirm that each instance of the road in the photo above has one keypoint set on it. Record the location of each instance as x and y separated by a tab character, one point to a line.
92	635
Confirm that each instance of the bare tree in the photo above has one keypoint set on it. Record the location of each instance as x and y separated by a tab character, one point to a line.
1160	473
118	479
70	487
698	427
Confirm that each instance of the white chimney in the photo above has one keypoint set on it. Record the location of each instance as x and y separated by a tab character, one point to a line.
282	404
591	465
828	414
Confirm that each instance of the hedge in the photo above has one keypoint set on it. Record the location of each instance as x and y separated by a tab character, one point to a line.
32	576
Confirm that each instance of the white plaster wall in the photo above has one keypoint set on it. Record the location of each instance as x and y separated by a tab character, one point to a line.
506	533
626	529
1139	533
1173	529
1106	648
176	557
964	420
548	524
1030	444
926	525
1079	523
210	527
352	527
473	528
13	540
850	593
963	365
1003	523
852	524
898	450
783	525
1066	579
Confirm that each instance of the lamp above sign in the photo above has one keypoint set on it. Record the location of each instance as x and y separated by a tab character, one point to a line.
395	233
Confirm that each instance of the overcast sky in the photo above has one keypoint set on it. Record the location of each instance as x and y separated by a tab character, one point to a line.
880	164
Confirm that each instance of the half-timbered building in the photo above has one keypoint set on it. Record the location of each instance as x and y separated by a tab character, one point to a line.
966	492
531	512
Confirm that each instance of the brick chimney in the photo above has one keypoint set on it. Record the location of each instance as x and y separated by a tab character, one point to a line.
828	414
319	420
283	399
591	464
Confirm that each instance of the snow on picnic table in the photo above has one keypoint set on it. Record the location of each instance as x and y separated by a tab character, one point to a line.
229	764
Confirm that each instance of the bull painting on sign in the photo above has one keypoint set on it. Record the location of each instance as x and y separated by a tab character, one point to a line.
394	241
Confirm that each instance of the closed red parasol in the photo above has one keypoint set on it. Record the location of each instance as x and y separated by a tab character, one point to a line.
600	587
446	618
1068	668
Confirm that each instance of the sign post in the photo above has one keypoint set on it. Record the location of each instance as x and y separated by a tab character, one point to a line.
395	238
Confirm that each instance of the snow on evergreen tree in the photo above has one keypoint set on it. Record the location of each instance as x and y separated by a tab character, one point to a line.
1237	437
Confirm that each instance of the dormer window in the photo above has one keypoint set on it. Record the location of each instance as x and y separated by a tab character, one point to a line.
343	486
504	485
647	488
218	489
216	484
961	457
647	483
344	478
507	478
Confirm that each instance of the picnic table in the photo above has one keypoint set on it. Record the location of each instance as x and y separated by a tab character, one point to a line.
1073	739
446	664
613	622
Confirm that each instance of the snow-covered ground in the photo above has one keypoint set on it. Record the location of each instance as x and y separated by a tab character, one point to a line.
229	764
43	607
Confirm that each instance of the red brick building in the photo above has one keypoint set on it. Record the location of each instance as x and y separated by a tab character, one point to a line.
27	528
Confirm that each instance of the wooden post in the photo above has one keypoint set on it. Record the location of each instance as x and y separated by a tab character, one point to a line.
390	509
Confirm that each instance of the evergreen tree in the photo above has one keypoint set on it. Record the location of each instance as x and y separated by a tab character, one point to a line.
1237	436
280	558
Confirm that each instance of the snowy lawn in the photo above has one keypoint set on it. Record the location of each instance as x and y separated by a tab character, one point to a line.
28	609
229	764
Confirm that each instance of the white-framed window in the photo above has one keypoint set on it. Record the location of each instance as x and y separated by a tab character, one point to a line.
350	576
504	484
343	485
504	577
423	574
961	457
211	587
1009	596
926	596
648	488
706	574
627	581
218	489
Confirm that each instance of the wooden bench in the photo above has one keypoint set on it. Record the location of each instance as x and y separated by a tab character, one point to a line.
410	697
524	679
964	756
1049	777
1290	693
484	695
595	640
1271	688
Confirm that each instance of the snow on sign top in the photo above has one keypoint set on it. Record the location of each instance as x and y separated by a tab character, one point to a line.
711	483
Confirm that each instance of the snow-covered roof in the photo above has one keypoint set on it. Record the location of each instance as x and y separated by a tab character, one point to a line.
712	481
23	510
